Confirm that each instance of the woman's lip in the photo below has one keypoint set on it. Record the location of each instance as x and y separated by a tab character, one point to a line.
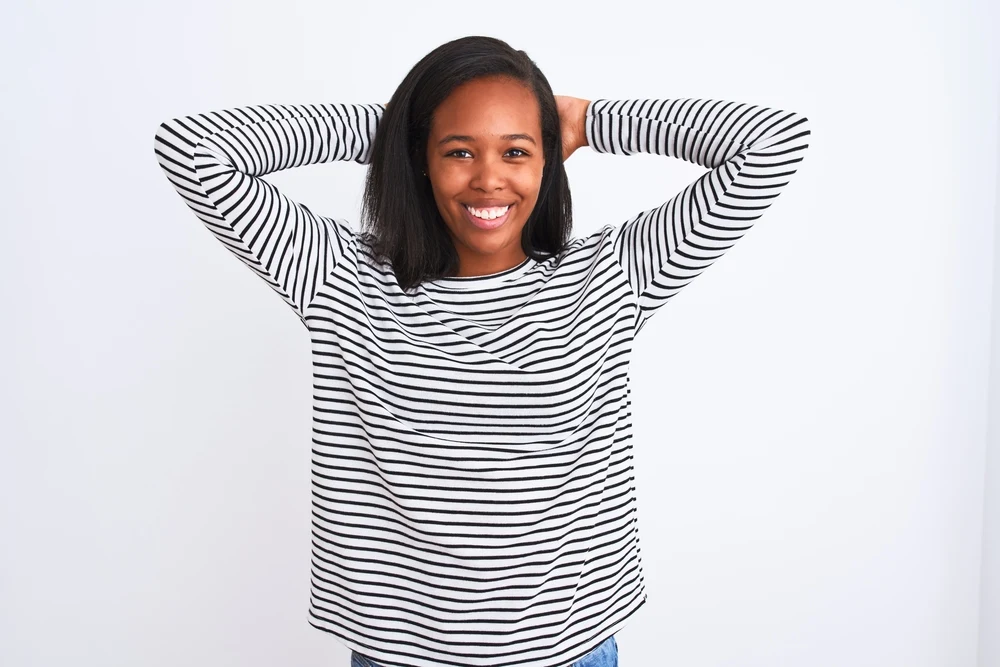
487	224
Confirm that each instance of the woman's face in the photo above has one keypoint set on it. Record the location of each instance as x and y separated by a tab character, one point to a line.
485	151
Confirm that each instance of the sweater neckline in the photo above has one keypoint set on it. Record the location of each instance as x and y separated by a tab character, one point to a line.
486	280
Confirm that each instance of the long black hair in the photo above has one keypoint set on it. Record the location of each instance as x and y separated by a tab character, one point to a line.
400	219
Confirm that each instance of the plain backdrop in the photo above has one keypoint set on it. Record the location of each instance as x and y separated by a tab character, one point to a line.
812	414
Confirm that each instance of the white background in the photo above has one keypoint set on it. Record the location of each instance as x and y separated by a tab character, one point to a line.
812	414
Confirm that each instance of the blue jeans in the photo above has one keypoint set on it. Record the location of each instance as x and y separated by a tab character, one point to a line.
605	655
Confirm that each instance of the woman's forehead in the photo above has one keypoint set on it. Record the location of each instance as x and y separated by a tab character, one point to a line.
487	109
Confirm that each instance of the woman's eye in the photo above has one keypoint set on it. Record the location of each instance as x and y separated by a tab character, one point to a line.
518	150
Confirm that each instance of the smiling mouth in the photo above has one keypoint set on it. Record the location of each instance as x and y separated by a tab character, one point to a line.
483	223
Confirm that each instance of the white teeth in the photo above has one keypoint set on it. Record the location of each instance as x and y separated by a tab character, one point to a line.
488	213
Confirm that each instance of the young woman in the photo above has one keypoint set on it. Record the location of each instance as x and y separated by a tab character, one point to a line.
473	498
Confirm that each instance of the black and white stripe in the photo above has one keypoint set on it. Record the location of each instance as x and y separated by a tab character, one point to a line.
473	498
751	152
215	161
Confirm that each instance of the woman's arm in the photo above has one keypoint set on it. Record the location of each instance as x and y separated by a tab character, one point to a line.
751	153
215	162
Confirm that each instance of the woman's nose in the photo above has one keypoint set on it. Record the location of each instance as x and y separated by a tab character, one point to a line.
489	174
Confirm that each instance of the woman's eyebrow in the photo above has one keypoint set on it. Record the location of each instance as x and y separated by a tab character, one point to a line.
505	137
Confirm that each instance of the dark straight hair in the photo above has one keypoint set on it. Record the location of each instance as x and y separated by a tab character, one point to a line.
400	219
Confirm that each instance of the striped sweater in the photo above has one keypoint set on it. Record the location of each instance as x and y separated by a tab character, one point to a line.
473	499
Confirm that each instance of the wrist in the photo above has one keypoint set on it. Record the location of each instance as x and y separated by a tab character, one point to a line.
582	124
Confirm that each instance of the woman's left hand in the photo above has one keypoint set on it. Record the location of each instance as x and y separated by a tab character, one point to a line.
572	116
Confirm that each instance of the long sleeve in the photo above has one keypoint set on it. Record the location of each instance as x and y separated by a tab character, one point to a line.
215	162
751	153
